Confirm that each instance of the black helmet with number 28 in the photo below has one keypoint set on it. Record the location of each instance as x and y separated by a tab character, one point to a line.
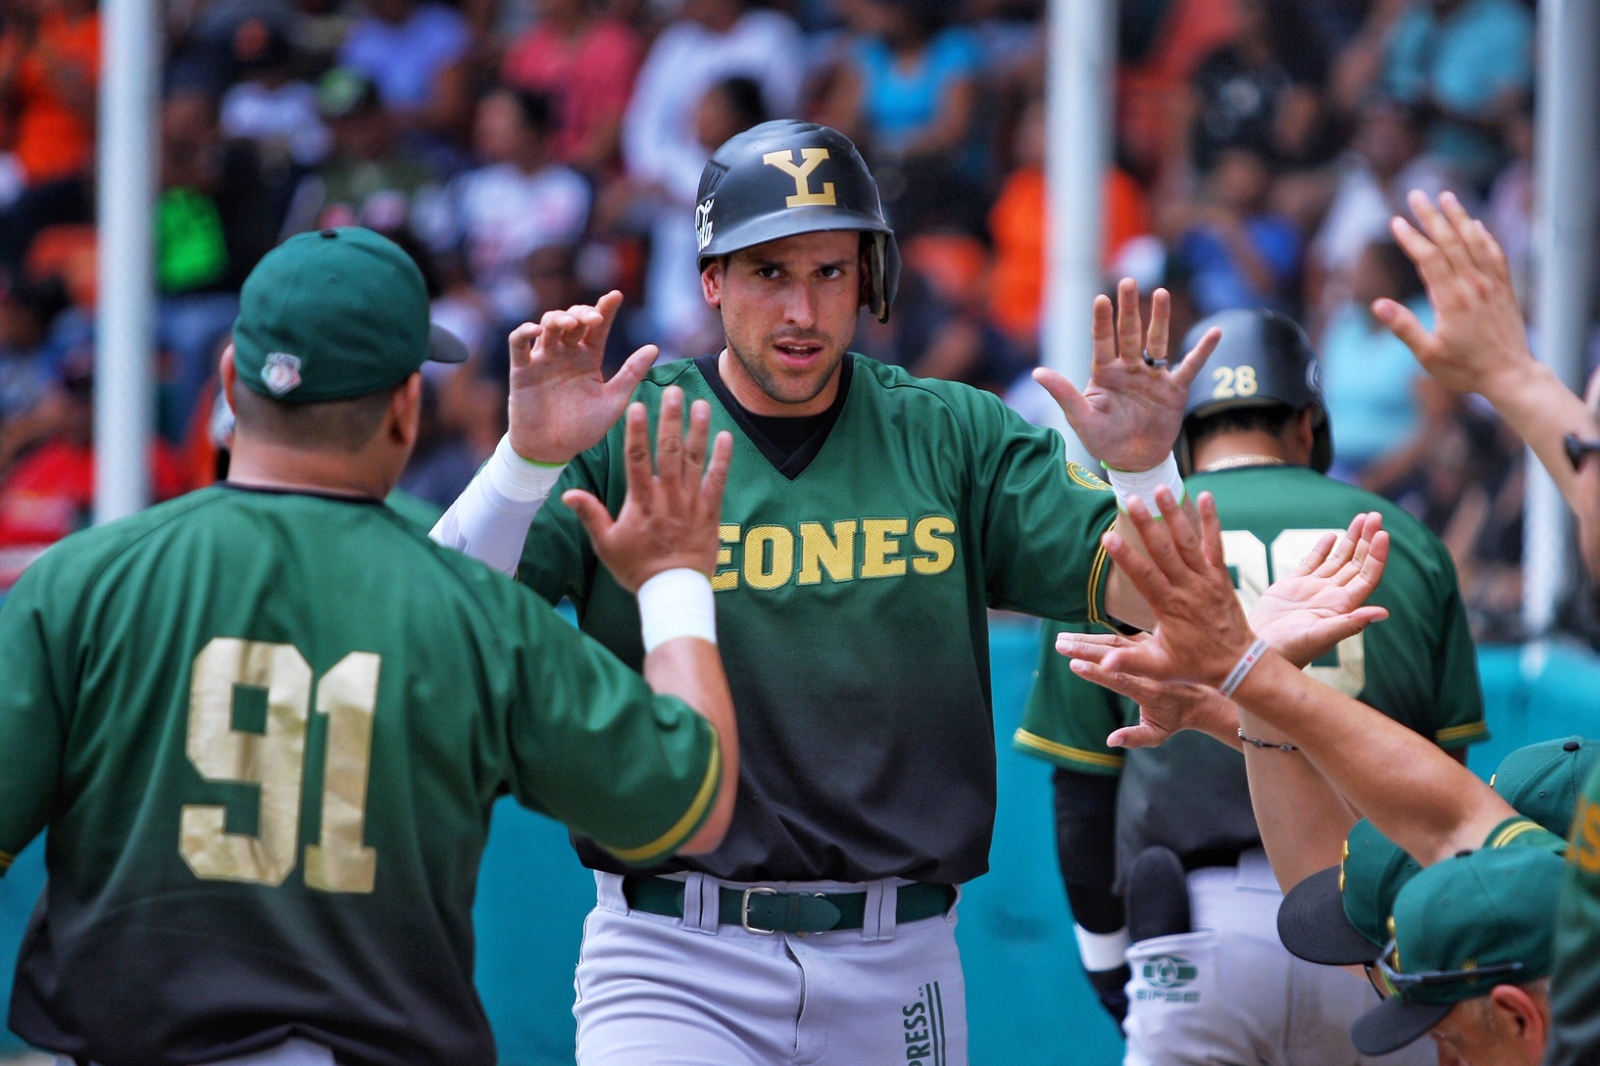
1264	359
784	178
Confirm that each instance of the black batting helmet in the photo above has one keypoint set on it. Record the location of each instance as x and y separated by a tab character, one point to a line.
784	178
1264	359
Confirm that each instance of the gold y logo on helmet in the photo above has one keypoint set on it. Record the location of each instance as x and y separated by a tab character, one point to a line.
810	159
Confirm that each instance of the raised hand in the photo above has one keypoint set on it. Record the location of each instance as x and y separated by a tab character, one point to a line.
1306	613
1165	707
1479	337
669	516
561	403
1130	413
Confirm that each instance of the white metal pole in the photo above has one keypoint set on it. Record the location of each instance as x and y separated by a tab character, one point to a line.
1564	235
1082	50
124	381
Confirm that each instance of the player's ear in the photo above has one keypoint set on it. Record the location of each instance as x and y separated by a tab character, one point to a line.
405	411
711	279
228	373
1524	1015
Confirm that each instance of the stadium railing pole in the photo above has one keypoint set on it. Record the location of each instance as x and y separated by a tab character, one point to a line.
1563	250
1080	90
124	413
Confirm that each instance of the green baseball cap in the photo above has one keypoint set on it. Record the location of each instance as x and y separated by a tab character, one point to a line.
335	314
1543	781
1461	927
1340	916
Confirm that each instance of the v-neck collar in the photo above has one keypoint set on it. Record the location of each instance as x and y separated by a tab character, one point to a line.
790	465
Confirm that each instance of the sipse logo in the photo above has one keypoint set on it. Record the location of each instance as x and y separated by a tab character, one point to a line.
702	223
281	373
1166	975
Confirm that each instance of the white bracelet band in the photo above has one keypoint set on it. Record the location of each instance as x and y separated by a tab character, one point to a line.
518	479
1102	951
1242	668
677	603
1143	483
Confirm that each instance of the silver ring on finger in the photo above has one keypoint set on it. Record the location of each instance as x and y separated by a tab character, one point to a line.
1159	364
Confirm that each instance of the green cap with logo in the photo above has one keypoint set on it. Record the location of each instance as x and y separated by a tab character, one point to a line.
1461	927
1340	916
333	315
1543	781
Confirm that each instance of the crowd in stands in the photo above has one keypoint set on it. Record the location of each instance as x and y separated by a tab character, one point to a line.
535	153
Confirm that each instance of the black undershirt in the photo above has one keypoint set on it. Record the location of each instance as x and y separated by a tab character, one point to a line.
789	442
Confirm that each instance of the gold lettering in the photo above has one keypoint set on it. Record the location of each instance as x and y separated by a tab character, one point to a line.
880	541
723	580
756	572
930	537
1589	853
348	695
818	551
810	159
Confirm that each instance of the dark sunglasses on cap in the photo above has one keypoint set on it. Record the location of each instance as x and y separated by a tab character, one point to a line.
1389	982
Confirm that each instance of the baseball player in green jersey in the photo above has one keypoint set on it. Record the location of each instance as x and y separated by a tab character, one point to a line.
265	724
1321	748
871	520
1187	852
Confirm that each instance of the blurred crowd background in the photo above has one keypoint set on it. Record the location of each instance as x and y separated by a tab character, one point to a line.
535	153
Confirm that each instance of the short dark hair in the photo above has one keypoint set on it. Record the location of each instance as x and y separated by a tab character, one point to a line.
1269	418
333	425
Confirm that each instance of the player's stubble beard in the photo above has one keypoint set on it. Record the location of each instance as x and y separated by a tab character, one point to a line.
787	388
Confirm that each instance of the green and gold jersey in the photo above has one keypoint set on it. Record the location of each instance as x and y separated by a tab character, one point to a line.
1575	984
1418	667
852	593
265	731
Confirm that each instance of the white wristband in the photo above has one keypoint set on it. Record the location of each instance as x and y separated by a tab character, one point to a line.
1143	483
676	603
1102	951
517	479
1242	669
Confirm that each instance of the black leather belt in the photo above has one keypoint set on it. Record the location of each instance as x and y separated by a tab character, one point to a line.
766	910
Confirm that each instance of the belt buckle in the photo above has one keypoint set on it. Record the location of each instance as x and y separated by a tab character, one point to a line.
744	908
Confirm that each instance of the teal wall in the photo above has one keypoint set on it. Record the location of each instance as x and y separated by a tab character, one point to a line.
1028	1003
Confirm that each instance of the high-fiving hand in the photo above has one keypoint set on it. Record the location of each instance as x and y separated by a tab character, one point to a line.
1130	412
561	404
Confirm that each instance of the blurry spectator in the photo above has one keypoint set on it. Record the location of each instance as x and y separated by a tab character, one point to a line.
49	72
415	54
1382	166
908	93
517	203
443	462
1509	215
210	232
367	181
49	492
1369	376
1019	228
586	61
1236	253
269	105
26	371
1465	62
1262	89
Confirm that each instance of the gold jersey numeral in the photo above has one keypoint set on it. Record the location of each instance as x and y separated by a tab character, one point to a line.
274	761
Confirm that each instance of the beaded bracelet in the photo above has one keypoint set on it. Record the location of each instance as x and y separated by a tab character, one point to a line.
1258	742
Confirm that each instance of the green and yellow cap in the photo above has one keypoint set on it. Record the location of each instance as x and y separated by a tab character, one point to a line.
335	314
1461	927
1543	781
1340	916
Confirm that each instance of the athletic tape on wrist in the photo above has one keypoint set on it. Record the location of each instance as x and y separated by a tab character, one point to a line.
677	603
1242	668
1143	483
517	479
1102	951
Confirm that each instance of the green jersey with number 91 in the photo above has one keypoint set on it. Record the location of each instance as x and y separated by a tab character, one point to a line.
1418	667
265	731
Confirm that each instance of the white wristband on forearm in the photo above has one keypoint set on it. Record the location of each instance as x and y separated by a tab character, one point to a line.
1242	668
677	603
1143	483
517	479
1102	951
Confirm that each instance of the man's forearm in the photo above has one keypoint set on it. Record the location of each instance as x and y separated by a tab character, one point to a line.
491	518
1542	410
691	669
1303	819
1123	601
1416	795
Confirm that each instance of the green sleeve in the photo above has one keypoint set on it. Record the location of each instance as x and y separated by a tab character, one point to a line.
594	747
1067	718
558	560
1458	707
1042	518
32	717
1575	985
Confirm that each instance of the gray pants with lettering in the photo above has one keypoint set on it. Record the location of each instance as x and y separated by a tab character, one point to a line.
687	992
1230	994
